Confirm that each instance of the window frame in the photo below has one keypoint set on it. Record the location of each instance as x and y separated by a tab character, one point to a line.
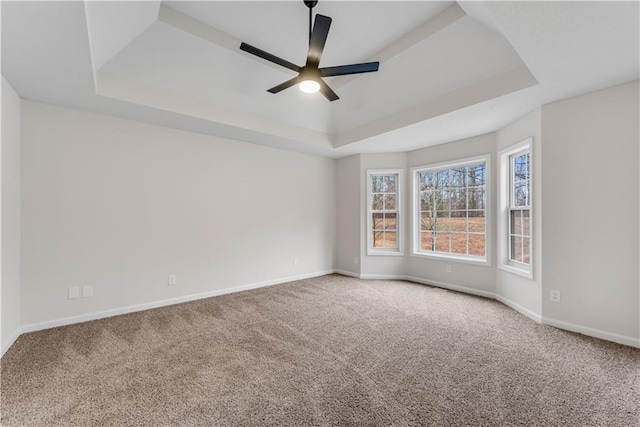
399	251
506	205
416	250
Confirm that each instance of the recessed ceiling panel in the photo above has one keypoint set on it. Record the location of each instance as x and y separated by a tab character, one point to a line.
174	60
459	54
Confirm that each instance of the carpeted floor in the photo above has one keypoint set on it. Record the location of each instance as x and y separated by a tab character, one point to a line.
325	351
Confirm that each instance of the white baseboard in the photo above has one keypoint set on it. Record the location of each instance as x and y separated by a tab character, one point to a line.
383	276
451	287
371	276
16	334
347	273
162	303
520	309
597	333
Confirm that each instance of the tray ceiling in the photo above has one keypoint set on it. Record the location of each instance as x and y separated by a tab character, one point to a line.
448	70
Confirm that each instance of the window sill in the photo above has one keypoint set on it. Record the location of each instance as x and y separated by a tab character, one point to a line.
453	258
384	252
526	273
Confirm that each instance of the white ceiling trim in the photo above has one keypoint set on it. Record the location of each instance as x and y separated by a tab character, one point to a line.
204	31
135	92
493	87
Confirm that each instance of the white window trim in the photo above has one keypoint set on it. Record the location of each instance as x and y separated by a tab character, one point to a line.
415	214
504	194
399	251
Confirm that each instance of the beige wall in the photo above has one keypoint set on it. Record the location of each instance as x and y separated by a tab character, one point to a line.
348	215
525	292
10	231
120	205
590	210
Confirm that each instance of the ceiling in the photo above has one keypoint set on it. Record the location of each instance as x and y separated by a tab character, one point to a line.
448	70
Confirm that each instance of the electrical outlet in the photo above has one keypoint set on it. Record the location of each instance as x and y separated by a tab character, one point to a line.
74	292
295	261
87	291
447	268
355	259
554	295
172	279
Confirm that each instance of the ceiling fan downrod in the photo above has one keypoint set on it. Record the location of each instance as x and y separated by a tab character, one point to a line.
310	4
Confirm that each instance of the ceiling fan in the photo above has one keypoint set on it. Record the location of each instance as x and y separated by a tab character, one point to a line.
310	76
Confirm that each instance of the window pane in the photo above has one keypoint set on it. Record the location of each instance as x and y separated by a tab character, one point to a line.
390	239
426	181
516	248
521	196
390	202
476	198
442	221
526	256
377	204
377	221
475	175
516	222
442	241
459	221
390	221
390	183
458	178
442	178
444	203
425	221
376	184
427	201
526	230
458	199
476	244
459	243
520	180
378	237
477	224
426	241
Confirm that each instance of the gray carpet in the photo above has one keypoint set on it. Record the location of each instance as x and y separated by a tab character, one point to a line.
325	351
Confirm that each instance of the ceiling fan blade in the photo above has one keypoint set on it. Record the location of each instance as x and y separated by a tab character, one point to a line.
341	70
269	57
318	39
285	85
327	91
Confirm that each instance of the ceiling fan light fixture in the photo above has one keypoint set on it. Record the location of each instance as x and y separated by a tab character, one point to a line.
309	86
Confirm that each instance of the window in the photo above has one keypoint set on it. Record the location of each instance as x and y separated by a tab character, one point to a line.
519	218
450	209
515	203
383	212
